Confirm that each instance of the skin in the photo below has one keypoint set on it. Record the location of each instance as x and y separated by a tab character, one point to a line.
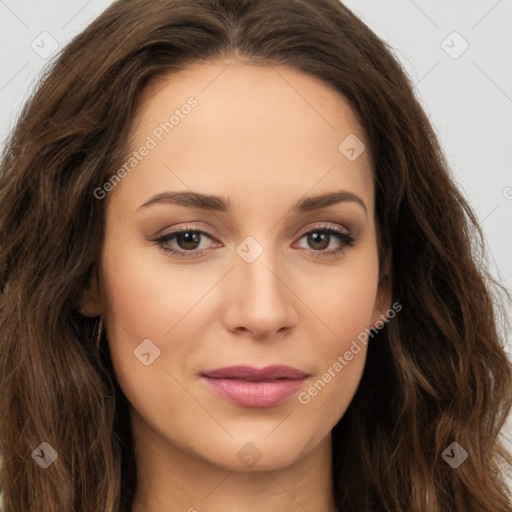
264	137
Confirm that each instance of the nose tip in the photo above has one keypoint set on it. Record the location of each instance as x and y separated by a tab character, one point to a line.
258	302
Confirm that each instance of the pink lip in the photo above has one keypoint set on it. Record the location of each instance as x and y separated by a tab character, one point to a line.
255	387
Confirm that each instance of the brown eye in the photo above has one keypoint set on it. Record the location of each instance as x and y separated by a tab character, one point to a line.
319	239
185	242
188	240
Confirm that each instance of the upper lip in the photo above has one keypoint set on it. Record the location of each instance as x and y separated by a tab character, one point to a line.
250	373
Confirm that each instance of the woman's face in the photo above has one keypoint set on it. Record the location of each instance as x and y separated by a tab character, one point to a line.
266	285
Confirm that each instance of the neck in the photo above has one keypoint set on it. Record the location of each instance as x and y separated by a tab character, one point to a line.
170	480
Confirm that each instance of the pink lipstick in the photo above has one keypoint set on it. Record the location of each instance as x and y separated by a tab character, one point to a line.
255	387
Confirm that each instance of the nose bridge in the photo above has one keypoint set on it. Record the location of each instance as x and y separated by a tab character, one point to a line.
256	267
259	298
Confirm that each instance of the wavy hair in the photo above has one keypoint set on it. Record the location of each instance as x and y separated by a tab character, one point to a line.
437	374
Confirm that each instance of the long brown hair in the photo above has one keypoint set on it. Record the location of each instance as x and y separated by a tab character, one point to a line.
436	374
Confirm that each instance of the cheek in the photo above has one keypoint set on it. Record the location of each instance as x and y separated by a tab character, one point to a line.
344	301
146	319
346	308
148	299
144	293
350	311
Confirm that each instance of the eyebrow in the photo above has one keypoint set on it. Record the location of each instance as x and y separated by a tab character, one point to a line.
222	204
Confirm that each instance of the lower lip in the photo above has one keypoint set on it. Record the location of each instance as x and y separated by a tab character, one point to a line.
255	394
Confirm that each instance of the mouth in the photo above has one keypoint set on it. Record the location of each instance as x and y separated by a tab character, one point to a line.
255	387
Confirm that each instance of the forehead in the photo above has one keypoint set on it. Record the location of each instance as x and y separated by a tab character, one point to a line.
261	125
233	85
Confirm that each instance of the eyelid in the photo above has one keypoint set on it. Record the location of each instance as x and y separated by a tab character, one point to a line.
299	234
344	235
185	228
324	225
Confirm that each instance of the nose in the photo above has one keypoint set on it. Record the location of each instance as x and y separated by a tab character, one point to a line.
259	300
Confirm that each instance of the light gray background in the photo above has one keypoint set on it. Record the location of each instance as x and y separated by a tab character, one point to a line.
468	97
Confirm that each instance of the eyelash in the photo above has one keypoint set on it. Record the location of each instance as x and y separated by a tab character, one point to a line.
346	239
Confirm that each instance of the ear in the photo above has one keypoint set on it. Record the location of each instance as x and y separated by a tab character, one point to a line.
89	303
383	299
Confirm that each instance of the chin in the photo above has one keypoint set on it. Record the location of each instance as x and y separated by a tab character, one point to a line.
259	452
